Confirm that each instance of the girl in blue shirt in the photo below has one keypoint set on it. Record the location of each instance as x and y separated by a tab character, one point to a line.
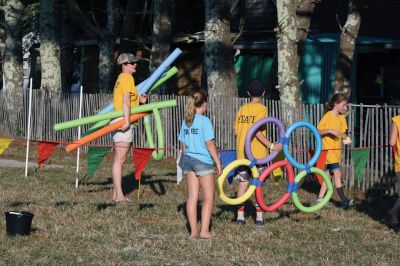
198	153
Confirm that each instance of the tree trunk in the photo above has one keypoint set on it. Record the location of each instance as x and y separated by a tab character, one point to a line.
12	61
218	54
49	47
67	49
288	81
344	59
304	13
106	48
128	28
161	38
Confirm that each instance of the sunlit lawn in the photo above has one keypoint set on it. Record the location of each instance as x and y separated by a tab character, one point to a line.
83	226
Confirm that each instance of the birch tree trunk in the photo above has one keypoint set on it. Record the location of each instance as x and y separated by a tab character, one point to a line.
348	38
12	60
49	47
161	39
218	56
304	13
106	48
288	81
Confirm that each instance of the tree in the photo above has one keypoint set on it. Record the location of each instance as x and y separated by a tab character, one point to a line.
218	56
304	13
105	36
49	47
161	39
288	61
348	38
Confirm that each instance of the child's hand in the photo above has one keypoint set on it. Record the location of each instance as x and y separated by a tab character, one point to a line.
347	141
219	169
277	147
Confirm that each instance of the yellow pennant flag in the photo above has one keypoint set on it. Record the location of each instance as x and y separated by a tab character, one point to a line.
4	143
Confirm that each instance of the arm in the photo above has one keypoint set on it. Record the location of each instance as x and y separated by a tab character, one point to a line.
183	147
333	132
394	132
276	146
126	107
214	154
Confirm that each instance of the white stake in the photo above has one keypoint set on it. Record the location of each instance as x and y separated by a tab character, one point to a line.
29	127
79	136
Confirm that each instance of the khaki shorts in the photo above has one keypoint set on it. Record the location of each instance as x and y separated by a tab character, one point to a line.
119	136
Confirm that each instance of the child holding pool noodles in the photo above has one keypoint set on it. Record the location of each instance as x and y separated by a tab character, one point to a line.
198	153
395	141
332	128
247	115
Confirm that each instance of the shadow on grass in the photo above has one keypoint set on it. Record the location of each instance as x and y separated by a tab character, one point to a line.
15	204
376	204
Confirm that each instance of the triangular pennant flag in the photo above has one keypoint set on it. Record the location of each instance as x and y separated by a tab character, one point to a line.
45	149
4	143
140	158
360	158
228	156
394	150
94	157
320	163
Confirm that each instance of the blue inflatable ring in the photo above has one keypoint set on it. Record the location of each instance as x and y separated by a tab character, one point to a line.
318	145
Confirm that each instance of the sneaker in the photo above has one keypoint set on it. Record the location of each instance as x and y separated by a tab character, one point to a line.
318	200
347	203
260	223
240	222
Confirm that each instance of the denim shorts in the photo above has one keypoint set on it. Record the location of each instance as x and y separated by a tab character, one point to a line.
332	167
200	168
244	173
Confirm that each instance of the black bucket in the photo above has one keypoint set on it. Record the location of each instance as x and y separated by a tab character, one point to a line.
18	223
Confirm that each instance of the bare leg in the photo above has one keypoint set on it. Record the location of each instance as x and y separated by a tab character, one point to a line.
121	151
323	188
207	184
191	204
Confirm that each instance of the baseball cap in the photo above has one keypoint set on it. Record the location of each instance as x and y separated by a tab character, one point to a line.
256	88
126	58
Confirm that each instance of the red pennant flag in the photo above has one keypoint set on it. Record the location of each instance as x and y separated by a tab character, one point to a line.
394	149
140	159
320	163
45	149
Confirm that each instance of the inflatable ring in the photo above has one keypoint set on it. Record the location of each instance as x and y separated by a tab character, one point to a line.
319	205
263	176
251	133
318	145
157	154
221	179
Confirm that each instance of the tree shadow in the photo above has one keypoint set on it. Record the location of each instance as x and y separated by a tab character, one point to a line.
20	203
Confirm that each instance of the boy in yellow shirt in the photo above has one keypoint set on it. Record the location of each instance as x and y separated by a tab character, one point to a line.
247	115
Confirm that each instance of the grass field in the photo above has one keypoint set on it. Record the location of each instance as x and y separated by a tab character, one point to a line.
82	226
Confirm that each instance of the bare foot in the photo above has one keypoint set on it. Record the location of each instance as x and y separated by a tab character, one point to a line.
206	235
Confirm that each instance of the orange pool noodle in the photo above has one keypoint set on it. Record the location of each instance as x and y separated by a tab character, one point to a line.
101	132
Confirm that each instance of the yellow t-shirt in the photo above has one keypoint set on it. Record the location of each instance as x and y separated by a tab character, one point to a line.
396	121
125	83
332	121
247	115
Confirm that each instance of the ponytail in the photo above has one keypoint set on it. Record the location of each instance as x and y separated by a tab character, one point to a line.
194	101
336	98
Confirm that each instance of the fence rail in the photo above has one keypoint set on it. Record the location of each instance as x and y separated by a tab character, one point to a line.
368	126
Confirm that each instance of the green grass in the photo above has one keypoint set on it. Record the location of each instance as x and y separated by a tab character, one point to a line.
82	226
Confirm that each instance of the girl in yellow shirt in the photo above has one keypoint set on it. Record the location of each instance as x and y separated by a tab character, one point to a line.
395	141
332	129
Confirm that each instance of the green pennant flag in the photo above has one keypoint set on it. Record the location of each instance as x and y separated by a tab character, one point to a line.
94	158
360	158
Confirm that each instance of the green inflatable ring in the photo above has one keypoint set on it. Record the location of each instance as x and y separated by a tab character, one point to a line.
319	205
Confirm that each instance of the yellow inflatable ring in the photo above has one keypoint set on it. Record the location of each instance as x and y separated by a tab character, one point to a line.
226	171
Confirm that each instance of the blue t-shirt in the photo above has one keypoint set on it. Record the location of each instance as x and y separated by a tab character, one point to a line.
195	137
